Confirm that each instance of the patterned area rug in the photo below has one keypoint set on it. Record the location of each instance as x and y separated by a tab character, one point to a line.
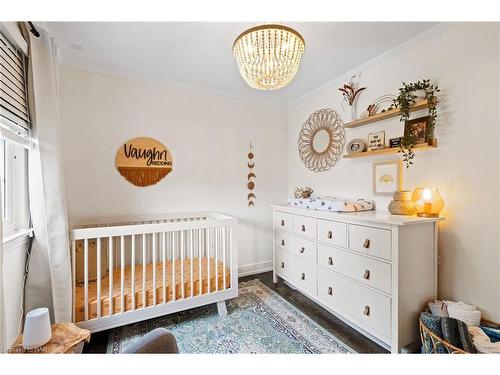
258	321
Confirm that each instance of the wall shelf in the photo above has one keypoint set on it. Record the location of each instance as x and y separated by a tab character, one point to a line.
422	104
389	151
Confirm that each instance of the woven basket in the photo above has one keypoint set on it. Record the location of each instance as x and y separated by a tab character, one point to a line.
402	195
433	344
402	208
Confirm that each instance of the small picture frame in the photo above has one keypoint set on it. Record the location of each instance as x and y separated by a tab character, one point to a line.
395	142
387	177
376	141
417	130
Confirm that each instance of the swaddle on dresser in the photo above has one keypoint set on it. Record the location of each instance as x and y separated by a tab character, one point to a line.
332	204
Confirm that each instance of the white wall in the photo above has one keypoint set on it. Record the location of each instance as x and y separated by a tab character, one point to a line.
463	59
208	136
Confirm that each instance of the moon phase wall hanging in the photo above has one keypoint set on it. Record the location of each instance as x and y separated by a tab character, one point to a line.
321	140
251	178
143	161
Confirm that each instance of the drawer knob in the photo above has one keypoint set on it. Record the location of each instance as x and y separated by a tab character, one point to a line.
282	264
302	249
303	276
366	244
282	242
366	275
366	311
303	228
282	223
330	291
329	235
330	261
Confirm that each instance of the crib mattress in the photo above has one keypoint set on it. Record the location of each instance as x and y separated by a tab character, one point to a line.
173	290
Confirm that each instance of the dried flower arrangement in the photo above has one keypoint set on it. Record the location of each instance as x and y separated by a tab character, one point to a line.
349	91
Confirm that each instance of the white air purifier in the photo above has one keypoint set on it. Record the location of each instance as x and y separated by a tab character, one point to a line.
37	330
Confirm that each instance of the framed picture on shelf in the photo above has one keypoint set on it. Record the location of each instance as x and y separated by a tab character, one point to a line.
387	177
376	141
355	146
417	130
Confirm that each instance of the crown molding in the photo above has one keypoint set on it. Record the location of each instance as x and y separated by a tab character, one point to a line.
410	43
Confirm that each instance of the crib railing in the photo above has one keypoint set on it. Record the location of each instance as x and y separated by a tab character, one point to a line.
130	270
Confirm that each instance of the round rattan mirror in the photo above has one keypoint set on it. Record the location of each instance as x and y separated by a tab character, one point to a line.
321	140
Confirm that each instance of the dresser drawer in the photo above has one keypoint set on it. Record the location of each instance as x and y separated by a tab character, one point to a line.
303	248
374	273
284	264
332	232
358	302
304	275
305	226
370	241
283	220
282	239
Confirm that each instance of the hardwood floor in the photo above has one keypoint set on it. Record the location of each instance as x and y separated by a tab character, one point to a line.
351	337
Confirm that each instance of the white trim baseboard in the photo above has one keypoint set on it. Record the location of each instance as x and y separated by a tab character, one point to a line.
255	268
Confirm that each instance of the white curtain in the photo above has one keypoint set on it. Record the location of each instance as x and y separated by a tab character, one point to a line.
49	278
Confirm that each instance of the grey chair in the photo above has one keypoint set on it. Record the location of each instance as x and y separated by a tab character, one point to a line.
159	341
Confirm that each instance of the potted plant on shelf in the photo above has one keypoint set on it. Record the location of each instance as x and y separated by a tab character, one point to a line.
404	102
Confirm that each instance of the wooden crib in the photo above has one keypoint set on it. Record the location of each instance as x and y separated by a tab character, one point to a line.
129	270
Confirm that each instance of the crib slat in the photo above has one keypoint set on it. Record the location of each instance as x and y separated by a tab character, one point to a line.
122	274
224	234
86	278
172	235
164	273
98	243
132	265
217	244
143	271
182	263
200	291
207	234
73	261
154	268
191	262
110	249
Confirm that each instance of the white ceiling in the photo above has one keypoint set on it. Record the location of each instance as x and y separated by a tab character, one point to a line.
199	54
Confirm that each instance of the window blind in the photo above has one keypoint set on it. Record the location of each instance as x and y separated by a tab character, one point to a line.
14	115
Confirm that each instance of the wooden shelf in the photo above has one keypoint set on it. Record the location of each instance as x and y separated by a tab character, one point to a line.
422	104
389	151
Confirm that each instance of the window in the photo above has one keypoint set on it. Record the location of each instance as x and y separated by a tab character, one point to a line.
14	182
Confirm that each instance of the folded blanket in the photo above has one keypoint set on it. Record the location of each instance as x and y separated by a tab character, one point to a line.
482	342
332	204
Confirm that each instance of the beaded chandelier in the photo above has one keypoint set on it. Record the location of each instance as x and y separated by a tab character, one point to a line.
268	56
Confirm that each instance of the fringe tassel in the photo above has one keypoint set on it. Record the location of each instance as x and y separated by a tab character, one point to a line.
143	176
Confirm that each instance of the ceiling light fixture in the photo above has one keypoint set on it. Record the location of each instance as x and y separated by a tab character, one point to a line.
268	56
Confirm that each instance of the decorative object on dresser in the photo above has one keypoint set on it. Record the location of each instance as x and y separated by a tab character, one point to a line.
251	178
303	192
37	330
427	201
387	177
356	146
373	270
332	204
350	93
321	140
143	161
407	98
376	141
402	203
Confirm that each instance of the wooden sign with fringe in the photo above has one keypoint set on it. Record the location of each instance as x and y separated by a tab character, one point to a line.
143	161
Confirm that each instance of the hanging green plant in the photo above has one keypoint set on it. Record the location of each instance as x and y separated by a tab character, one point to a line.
405	100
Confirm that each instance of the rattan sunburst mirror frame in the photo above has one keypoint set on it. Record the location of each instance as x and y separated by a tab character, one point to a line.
328	120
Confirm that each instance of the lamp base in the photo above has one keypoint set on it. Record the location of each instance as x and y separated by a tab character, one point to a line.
423	214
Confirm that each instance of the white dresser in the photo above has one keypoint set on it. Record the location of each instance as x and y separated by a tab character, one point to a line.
374	270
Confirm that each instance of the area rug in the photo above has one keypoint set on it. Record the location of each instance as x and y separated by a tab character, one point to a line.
258	321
